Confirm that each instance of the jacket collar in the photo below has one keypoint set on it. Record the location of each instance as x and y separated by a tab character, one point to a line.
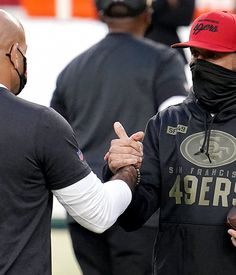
201	114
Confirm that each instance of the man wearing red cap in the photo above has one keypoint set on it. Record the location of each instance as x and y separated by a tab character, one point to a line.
189	164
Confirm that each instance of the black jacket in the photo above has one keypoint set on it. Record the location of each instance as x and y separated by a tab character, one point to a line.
188	172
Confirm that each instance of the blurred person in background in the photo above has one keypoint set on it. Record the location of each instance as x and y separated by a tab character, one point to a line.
127	78
123	70
167	16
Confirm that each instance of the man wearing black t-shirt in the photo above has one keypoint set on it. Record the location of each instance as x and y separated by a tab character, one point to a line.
127	78
39	157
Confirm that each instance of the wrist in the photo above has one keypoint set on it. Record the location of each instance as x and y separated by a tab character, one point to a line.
130	175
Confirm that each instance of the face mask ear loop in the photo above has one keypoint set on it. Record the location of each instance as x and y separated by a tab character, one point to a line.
20	76
9	56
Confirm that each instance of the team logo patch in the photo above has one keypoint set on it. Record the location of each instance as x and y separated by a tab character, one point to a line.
222	149
178	129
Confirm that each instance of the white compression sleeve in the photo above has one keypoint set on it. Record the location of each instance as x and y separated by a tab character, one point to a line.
93	204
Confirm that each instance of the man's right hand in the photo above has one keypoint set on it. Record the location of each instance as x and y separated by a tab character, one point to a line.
125	150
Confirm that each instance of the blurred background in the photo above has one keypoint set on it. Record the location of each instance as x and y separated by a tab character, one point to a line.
56	32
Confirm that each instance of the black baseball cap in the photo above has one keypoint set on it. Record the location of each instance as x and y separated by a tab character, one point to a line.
133	7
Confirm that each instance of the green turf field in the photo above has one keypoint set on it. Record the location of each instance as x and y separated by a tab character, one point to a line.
63	260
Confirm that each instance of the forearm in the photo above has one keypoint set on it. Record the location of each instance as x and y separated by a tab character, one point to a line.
95	205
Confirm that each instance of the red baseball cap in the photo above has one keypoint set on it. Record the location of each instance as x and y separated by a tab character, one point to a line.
214	31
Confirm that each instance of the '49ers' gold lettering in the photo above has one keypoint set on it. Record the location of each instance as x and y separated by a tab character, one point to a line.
206	191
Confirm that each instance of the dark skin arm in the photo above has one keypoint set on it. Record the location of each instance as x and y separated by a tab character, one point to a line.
129	175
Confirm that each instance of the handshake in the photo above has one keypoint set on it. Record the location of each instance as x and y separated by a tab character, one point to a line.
125	156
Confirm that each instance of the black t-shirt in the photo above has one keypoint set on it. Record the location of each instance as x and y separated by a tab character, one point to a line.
38	153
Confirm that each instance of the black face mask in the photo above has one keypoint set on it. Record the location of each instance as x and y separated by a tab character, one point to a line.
214	86
22	77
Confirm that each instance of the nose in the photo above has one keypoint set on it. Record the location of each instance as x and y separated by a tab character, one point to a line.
200	56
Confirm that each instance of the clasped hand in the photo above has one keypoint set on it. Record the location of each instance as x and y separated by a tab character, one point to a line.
125	150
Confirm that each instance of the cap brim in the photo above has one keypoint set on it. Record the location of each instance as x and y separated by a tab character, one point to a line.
181	45
202	45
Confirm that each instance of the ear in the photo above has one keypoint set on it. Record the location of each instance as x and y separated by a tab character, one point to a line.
15	55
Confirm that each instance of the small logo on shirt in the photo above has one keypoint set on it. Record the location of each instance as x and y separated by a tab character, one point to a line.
80	155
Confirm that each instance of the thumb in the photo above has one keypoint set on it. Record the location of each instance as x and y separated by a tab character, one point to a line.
119	130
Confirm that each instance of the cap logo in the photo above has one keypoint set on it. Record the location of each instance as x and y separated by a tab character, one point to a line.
205	27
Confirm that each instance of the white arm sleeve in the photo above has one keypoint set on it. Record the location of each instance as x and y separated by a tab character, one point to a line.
93	204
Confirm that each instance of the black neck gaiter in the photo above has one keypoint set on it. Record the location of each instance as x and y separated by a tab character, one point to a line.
214	86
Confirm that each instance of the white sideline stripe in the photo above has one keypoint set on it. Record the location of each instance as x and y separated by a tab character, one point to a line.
63	9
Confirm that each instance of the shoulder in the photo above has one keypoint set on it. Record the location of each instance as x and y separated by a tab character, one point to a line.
49	118
28	115
77	60
20	107
157	47
172	112
165	120
160	52
38	115
175	114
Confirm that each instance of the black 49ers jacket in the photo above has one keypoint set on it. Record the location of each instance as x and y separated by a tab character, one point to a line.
189	172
